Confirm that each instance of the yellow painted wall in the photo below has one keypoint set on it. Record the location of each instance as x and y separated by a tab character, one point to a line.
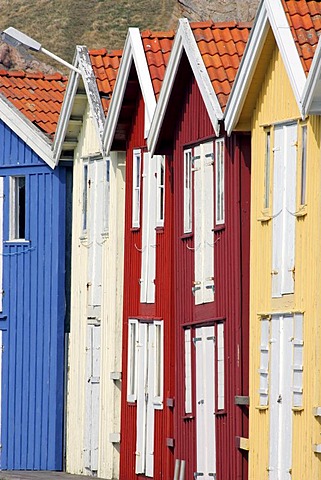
275	102
111	316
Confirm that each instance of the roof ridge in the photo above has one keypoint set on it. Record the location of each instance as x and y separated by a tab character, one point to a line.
226	24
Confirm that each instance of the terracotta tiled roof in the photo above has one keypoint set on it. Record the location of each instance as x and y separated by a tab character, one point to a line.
157	46
304	18
105	65
222	46
39	97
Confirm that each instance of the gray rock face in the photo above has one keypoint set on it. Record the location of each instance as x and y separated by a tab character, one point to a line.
219	10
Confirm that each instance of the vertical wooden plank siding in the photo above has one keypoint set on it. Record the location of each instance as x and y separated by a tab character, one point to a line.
161	309
33	315
231	278
111	316
274	105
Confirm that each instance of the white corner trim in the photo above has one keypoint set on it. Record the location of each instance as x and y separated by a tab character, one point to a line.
312	81
133	52
65	113
184	40
286	44
246	69
25	130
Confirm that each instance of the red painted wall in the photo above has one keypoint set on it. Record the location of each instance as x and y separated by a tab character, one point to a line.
191	125
161	309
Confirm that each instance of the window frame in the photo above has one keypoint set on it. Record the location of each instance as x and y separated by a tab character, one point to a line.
160	195
136	187
15	209
303	165
106	210
158	363
132	360
219	181
188	191
84	197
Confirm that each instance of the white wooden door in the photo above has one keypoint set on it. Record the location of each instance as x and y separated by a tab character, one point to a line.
92	398
205	406
281	341
145	406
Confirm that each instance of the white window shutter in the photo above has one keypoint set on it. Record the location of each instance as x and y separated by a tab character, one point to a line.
158	364
136	184
145	231
290	154
152	214
1	243
277	225
298	361
264	361
208	223
219	182
220	367
198	222
149	468
188	371
141	405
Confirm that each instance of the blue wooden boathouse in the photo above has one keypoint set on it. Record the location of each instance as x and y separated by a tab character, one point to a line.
33	264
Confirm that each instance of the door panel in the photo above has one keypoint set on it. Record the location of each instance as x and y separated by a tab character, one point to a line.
280	398
205	406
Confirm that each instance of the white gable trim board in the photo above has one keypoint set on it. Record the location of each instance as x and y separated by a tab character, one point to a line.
133	52
83	63
184	41
270	13
311	97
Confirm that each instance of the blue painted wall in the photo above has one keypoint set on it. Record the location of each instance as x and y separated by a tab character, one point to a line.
33	314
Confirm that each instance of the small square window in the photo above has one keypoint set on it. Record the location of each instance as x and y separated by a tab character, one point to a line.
18	208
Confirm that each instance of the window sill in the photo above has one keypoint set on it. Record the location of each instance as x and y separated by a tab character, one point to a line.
19	241
159	229
188	416
302	212
186	236
262	407
135	229
218	228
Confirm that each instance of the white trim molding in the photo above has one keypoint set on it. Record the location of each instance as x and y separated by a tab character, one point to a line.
270	14
184	40
133	52
311	97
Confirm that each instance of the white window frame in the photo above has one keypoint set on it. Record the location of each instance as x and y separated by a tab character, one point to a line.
133	340
298	345
303	177
15	210
106	210
188	185
85	197
160	200
267	169
137	167
219	181
220	366
188	371
158	364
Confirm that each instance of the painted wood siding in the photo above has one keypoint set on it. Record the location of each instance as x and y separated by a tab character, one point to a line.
110	314
276	103
160	309
231	249
33	315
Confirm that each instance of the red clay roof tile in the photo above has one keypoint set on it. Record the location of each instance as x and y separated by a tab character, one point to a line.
157	47
222	46
304	19
38	96
105	65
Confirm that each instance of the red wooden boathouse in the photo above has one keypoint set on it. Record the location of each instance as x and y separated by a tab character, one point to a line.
211	185
146	448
